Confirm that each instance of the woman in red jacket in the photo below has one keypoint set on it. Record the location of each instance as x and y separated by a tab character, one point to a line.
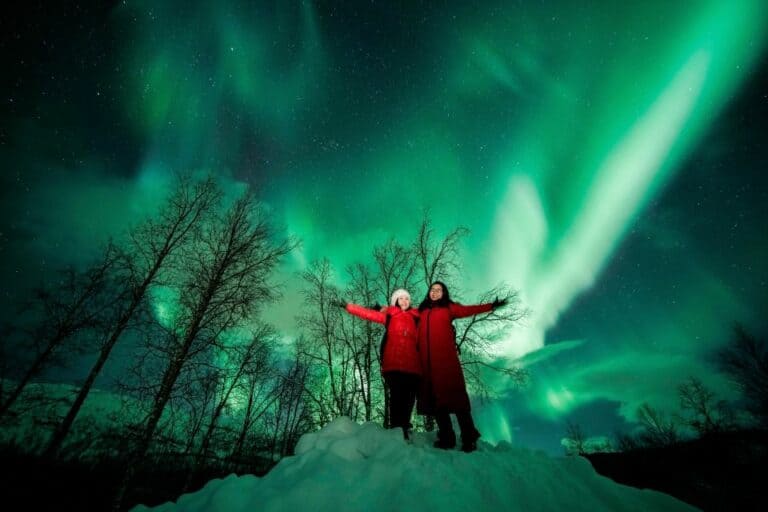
400	362
443	389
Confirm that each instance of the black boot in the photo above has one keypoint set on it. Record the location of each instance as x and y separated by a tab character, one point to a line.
469	441
445	442
446	439
469	434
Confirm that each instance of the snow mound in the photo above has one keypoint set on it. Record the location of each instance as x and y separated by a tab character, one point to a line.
351	467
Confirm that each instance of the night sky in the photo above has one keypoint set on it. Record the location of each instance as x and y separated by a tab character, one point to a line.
609	160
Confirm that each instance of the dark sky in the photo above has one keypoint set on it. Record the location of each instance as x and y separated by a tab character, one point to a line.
609	162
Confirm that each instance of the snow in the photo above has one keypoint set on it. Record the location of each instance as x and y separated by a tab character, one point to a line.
351	467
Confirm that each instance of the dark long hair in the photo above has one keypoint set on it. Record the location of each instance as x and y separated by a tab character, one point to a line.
444	301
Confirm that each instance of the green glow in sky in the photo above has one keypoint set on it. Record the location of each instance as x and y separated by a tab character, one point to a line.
546	135
552	131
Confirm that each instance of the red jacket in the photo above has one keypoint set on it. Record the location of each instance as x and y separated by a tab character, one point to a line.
443	388
400	352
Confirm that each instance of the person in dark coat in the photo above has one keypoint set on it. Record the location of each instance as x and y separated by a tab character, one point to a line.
400	363
443	389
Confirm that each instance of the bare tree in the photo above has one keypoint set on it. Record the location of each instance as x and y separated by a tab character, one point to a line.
626	442
342	352
195	394
396	267
437	260
705	414
226	273
261	388
241	361
476	336
577	441
291	415
258	387
658	430
67	308
324	345
150	247
364	339
745	361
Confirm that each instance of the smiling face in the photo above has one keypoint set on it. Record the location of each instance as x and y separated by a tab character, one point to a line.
404	302
436	292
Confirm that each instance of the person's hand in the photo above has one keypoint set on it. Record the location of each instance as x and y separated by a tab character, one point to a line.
499	303
338	303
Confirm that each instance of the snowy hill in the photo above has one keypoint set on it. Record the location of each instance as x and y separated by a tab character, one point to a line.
351	467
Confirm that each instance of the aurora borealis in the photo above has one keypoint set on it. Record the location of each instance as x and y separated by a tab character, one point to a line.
609	161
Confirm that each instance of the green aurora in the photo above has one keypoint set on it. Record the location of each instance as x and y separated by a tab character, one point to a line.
576	142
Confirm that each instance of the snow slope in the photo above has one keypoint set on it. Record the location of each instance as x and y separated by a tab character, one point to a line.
351	467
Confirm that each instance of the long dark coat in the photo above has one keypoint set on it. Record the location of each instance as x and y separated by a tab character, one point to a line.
443	389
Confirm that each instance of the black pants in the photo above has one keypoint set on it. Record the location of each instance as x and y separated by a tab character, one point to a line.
402	397
466	425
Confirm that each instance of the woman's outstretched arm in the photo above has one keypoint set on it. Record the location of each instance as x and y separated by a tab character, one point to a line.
461	311
366	314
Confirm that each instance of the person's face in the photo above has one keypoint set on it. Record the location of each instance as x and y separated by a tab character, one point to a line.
404	302
436	292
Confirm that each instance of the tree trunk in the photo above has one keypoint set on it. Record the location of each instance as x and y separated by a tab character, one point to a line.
65	426
33	371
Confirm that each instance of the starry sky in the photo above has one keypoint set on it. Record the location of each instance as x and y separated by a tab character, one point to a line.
609	161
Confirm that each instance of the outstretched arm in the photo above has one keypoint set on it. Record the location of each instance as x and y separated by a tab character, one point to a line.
367	314
461	311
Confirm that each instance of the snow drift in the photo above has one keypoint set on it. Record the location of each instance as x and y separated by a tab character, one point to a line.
351	467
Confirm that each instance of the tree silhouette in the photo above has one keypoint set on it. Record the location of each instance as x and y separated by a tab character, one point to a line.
658	430
745	361
342	352
325	347
242	357
150	248
364	338
475	338
260	386
291	416
577	441
224	280
701	410
75	303
437	260
396	267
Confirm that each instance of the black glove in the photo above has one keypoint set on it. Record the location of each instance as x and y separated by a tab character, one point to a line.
499	303
339	304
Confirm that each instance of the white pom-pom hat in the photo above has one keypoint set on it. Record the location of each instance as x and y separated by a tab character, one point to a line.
400	292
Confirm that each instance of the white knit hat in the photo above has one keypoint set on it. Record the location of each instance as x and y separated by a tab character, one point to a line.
400	292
